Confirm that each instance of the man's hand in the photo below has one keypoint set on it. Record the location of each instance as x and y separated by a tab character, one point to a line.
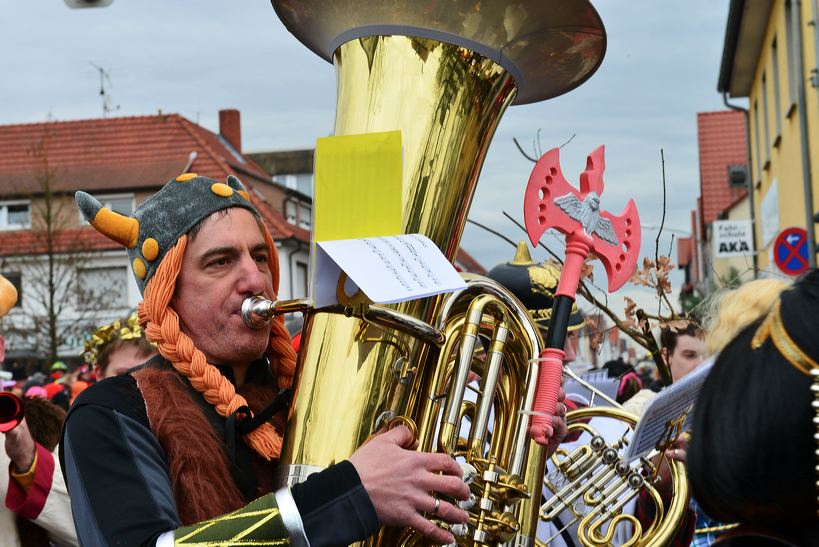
399	482
20	447
558	424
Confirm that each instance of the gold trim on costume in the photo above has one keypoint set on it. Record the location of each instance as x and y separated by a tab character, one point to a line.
773	327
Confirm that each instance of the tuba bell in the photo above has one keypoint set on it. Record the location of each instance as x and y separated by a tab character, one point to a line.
442	73
11	411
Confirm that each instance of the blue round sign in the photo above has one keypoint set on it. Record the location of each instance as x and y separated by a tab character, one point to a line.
791	251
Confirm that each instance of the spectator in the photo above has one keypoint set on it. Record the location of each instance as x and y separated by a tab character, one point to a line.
753	456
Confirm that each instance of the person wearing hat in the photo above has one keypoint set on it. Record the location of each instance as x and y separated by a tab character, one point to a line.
58	370
534	284
183	450
117	347
754	451
36	508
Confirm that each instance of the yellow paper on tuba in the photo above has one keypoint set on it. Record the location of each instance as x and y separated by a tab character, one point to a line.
358	186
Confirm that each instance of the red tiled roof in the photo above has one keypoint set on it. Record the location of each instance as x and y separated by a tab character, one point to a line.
465	262
113	154
73	240
722	142
120	154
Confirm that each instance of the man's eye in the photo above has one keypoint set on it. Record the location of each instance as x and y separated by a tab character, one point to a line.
261	258
218	262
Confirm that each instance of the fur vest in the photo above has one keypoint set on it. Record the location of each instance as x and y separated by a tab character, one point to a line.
192	435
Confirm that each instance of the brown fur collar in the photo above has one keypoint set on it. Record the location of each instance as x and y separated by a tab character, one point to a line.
198	465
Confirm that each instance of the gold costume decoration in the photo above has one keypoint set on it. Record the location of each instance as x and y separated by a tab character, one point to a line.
124	330
773	328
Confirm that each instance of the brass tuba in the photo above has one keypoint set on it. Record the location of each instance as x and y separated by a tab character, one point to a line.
443	73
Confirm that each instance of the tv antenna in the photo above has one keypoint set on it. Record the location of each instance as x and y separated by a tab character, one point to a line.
107	105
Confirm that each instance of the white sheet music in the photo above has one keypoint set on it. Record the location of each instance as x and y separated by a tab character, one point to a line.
387	269
669	404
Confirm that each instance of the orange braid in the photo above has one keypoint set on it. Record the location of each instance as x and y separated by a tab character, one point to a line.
281	353
161	324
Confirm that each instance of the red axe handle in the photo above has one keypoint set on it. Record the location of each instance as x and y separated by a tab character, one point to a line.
550	375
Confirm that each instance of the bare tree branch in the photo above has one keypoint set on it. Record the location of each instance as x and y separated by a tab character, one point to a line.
493	232
525	155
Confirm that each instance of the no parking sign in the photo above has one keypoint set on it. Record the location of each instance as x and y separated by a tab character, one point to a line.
791	251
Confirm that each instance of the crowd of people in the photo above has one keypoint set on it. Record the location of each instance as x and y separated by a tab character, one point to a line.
142	471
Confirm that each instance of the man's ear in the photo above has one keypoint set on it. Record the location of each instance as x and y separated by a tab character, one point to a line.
664	353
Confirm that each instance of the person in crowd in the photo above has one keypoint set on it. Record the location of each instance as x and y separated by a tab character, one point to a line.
116	348
753	454
630	381
683	350
58	371
36	509
143	471
729	312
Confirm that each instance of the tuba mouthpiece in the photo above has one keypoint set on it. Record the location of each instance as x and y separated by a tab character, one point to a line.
258	311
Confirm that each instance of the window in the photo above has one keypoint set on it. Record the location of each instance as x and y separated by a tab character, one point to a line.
777	97
15	215
765	118
304	217
16	279
102	288
302	182
297	213
290	211
119	203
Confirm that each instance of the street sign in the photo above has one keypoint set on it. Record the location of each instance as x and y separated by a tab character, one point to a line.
791	251
732	238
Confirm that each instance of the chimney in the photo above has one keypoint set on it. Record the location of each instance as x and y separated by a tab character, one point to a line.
230	127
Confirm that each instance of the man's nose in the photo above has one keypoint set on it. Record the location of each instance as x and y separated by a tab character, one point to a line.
251	278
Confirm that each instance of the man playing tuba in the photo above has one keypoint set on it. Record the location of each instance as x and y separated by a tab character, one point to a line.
183	449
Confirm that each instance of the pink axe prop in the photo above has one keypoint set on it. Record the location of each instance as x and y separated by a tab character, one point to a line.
551	202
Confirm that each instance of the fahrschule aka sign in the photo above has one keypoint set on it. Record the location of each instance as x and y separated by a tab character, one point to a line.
732	238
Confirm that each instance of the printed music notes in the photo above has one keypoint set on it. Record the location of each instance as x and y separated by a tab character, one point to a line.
387	269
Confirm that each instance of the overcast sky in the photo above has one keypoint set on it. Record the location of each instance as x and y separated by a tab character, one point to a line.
195	57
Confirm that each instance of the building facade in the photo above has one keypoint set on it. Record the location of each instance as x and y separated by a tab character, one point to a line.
770	58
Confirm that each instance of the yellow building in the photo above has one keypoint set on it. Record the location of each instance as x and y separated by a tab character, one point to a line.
770	58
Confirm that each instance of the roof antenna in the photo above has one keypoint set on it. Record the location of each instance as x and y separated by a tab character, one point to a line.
107	105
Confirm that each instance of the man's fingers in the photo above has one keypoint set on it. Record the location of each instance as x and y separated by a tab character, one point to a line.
447	485
400	436
430	531
443	463
449	513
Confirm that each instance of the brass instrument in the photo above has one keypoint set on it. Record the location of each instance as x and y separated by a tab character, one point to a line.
443	73
11	411
591	484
